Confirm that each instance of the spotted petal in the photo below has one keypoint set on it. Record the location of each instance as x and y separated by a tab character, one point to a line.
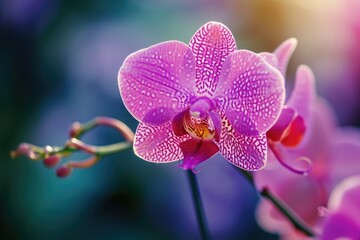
246	152
211	44
158	143
157	82
251	92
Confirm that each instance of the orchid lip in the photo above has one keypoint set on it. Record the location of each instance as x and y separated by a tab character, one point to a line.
199	128
197	122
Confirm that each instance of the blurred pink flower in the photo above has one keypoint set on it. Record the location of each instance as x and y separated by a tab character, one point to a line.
290	128
294	123
343	215
195	100
332	150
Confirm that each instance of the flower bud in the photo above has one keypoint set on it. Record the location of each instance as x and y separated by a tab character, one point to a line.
75	130
63	171
52	161
23	149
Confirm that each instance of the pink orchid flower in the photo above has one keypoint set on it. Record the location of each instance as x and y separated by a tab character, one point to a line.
294	123
332	150
195	100
343	215
290	128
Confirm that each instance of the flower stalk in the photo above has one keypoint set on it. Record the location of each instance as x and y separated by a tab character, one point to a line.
298	223
200	213
53	155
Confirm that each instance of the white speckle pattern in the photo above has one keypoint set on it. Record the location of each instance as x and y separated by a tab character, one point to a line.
246	152
159	76
158	144
251	92
211	44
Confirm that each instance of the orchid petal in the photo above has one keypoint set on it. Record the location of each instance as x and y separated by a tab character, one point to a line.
344	218
246	152
158	143
251	92
345	198
196	151
211	44
270	58
319	133
339	226
157	82
304	93
281	56
345	152
283	53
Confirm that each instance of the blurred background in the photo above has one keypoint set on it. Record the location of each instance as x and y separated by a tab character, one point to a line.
58	64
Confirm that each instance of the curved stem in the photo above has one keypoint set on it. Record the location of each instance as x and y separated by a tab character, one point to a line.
280	205
200	214
74	144
78	129
113	148
99	150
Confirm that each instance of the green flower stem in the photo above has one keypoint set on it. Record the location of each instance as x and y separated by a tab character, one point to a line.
280	205
200	214
68	150
113	148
